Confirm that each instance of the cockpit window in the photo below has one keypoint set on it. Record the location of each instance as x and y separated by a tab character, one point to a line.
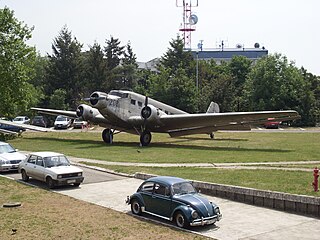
119	94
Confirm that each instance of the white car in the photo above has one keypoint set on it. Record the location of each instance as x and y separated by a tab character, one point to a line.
62	122
9	157
79	123
21	120
52	168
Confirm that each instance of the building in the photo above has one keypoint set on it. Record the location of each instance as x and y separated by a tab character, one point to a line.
226	54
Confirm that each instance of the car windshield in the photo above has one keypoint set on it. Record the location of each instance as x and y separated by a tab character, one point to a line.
18	119
61	118
56	161
183	188
7	148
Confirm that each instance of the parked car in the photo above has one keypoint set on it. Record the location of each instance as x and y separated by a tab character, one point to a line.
21	120
41	121
174	199
11	128
52	168
9	157
79	123
271	123
62	122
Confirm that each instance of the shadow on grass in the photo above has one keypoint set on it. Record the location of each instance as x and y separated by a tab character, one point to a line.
215	139
95	144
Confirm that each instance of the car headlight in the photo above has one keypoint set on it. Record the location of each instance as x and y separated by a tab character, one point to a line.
194	214
59	176
217	210
79	174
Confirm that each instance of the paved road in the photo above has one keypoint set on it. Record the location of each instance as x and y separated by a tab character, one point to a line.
240	221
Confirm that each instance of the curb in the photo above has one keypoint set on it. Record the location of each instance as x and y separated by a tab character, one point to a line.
292	203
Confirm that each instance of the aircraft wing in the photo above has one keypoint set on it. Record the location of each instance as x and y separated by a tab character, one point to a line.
25	126
55	112
206	122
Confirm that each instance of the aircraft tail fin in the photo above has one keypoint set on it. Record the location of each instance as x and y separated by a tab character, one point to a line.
213	108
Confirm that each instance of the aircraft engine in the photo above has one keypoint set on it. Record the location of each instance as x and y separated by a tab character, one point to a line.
96	98
150	113
86	112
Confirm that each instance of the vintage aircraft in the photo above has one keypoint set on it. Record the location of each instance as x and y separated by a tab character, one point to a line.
126	111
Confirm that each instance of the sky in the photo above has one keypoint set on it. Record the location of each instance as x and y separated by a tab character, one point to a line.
289	27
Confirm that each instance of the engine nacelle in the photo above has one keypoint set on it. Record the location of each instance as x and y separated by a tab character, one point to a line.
86	112
97	99
151	113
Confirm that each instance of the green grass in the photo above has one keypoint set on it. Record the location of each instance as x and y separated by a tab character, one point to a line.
227	147
295	182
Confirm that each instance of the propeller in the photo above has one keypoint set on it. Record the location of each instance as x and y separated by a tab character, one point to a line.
145	112
94	98
79	111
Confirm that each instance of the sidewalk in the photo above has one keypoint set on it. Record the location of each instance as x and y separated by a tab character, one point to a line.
251	165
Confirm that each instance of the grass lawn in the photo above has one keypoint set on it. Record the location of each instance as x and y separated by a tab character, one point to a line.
48	215
227	147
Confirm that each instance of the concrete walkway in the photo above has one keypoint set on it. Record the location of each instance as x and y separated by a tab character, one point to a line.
250	165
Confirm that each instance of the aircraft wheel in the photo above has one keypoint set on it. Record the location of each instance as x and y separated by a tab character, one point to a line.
145	138
107	136
211	135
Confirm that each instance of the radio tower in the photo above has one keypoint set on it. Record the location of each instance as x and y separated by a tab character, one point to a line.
189	20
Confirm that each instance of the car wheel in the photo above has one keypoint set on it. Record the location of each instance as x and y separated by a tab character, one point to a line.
24	176
50	182
180	220
76	184
136	207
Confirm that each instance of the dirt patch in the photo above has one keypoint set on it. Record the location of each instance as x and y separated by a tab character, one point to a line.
47	215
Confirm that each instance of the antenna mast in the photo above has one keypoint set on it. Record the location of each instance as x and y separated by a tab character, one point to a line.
189	20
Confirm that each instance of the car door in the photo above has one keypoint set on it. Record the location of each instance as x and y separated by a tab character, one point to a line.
146	193
39	170
30	165
161	200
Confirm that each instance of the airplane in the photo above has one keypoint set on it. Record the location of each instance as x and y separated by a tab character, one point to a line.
127	111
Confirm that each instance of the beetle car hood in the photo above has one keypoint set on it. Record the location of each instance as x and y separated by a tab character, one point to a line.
196	201
12	156
65	169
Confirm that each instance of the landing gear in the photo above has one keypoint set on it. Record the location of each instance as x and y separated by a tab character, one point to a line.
145	138
107	136
211	135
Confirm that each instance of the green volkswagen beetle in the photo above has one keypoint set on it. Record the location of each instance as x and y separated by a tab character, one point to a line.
174	199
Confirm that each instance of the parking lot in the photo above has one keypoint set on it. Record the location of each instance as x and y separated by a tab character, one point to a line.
240	221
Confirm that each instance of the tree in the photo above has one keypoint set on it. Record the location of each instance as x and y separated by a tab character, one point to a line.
95	69
17	61
113	53
129	67
65	67
176	58
240	67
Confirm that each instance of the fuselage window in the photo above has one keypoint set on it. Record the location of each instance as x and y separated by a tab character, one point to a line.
139	104
166	112
133	102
